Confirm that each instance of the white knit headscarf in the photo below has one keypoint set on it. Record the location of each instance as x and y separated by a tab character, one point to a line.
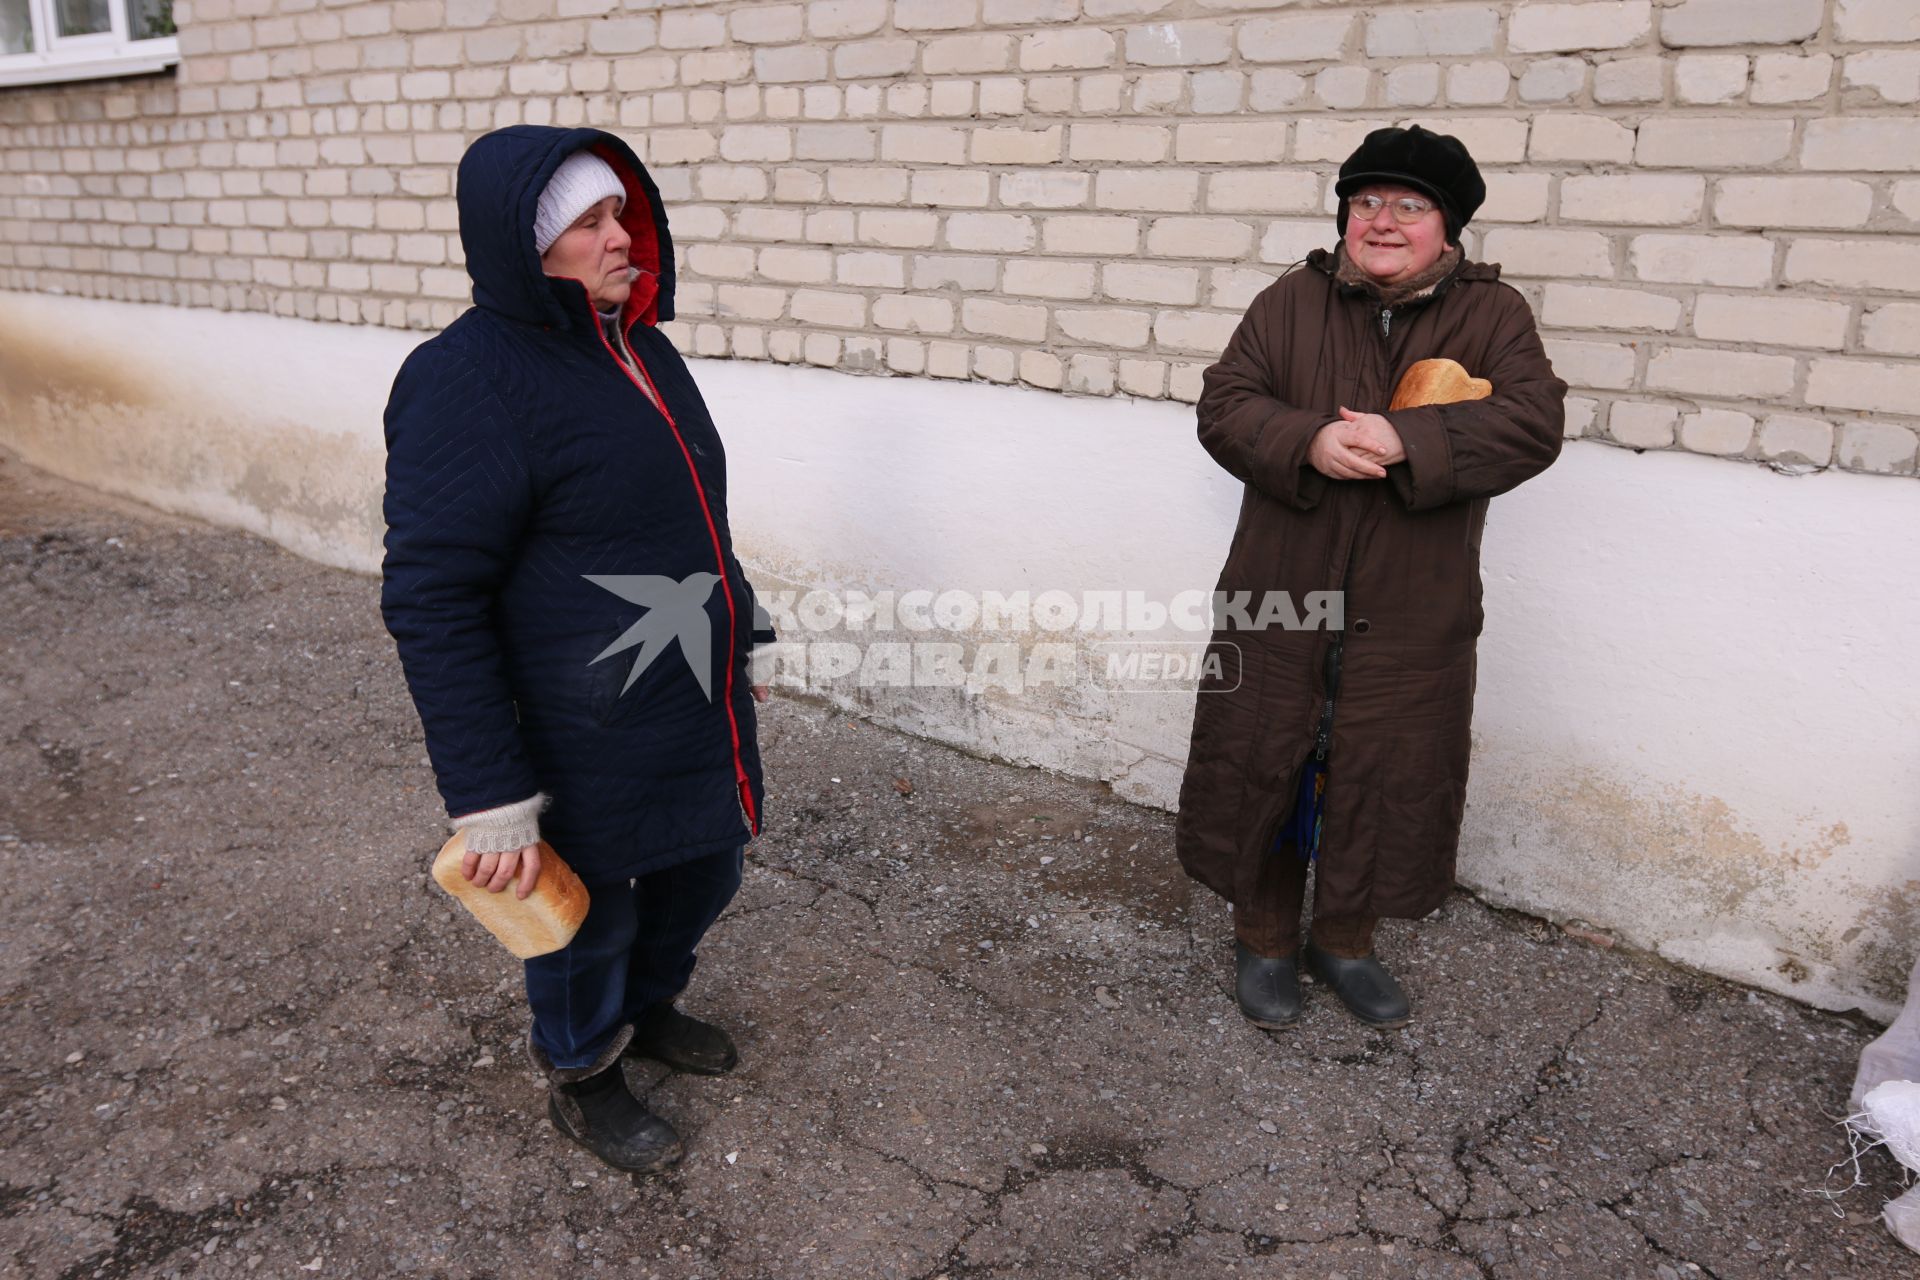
582	181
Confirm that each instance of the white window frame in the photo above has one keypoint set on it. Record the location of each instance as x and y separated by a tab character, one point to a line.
89	57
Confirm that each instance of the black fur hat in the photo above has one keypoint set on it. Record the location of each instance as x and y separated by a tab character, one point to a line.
1435	163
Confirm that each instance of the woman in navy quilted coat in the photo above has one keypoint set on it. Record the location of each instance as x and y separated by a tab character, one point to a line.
574	627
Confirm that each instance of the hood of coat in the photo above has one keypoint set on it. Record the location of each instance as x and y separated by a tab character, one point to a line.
501	178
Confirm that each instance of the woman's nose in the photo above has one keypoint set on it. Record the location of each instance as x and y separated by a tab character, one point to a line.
618	241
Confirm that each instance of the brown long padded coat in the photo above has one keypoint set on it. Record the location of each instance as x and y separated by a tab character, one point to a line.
1406	548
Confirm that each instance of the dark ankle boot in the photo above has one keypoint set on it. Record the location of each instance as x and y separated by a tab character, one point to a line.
667	1035
1268	990
593	1106
1364	986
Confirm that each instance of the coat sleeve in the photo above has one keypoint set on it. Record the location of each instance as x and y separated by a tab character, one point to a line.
1249	431
459	491
1481	448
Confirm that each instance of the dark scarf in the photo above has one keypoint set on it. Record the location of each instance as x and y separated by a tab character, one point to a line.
1346	272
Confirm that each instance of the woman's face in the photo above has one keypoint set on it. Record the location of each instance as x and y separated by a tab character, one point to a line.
1390	251
594	251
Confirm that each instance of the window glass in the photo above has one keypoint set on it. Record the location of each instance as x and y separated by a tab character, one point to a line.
82	17
148	19
16	27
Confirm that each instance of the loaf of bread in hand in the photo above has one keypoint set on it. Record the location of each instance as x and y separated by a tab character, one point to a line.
545	920
1437	382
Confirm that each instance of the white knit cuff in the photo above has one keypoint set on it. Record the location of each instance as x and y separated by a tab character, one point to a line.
509	828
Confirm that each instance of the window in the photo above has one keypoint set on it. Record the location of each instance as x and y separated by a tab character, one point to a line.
48	40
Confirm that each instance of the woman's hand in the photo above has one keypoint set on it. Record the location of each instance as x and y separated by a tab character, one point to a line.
761	693
1374	434
1336	454
496	870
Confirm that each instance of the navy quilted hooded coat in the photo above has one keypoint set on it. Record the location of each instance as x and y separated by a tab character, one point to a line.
538	507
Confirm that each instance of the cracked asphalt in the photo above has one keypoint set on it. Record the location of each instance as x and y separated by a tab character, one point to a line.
985	1024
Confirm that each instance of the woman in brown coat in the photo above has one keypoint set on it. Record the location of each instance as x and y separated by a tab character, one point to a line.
1344	495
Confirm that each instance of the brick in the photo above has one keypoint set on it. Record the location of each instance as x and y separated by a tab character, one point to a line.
1432	32
1287	242
1892	330
1218	93
1515	197
1893	74
1553	80
1042	369
1180	44
1725	22
1562	137
1414	84
1570	28
871	270
1630	80
1199	238
1877	21
1572	306
838	19
913	313
1864	384
1906	199
1745	261
1073	47
1089	375
898	230
1579	416
834	142
1017	146
1048	278
952	189
1103	237
1726	432
991	232
1330	139
1230	143
1147	190
796	266
767	24
1709	79
1297	38
1726	375
1276	90
1143	144
1792	202
1890	266
1265	191
1235	288
966	55
1881	144
1530	252
1771	321
731	182
1713	142
793	64
1147	282
684	29
874	59
679	146
622	35
1205	332
867	186
756	142
723	261
1601	365
1796	441
935	15
970	275
1491	139
1881	447
1641	425
1144	378
1791	77
819	306
1343	88
1045	189
923	144
1026	13
1479	84
1004	319
1640	199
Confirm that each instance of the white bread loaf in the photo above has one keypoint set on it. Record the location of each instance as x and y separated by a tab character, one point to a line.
545	920
1437	382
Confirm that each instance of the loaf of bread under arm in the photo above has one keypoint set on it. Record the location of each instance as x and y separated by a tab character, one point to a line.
1437	382
543	921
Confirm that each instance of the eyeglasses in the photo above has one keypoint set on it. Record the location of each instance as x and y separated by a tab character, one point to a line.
1405	209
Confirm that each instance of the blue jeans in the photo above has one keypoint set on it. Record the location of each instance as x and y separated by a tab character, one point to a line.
634	949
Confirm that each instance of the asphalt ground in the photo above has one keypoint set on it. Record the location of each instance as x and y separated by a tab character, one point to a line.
986	1026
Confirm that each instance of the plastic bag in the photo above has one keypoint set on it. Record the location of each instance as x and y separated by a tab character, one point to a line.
1896	1054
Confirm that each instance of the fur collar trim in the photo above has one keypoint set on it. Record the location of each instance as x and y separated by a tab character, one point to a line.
1415	288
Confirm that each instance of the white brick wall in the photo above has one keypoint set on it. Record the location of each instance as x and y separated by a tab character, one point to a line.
1714	205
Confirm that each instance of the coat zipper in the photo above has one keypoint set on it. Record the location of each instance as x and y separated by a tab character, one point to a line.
1386	323
651	391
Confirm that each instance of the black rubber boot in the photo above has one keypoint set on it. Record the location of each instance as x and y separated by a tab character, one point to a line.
684	1043
1268	990
1370	993
593	1106
602	1115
